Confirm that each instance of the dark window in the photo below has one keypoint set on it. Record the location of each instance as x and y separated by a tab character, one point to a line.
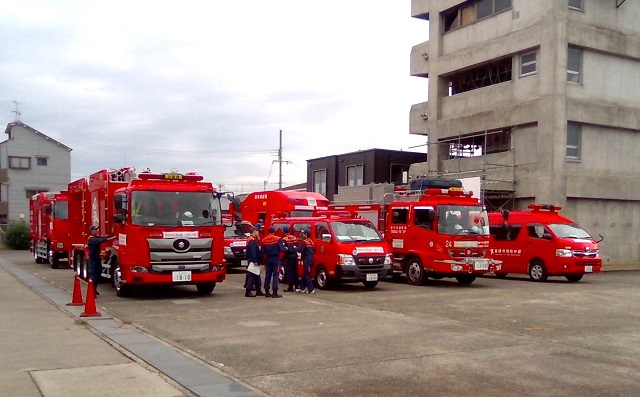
574	139
574	65
538	231
484	8
505	233
399	216
482	76
502	5
41	161
320	182
528	63
575	4
299	227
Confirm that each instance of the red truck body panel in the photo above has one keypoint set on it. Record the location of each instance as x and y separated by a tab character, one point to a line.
49	227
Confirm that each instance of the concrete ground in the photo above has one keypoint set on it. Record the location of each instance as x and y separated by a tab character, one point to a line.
492	338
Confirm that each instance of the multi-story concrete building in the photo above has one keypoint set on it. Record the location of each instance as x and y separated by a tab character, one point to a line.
30	162
540	99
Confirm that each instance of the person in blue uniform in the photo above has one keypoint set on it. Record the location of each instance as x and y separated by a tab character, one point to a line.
306	249
290	260
95	264
272	246
253	264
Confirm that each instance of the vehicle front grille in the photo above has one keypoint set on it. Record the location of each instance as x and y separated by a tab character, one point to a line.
167	255
369	264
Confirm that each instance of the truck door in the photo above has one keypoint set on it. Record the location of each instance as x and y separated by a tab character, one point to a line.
538	245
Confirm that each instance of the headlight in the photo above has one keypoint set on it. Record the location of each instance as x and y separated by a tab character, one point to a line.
345	260
139	269
388	259
227	251
564	253
456	268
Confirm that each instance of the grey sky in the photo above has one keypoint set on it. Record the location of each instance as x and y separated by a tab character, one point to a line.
206	85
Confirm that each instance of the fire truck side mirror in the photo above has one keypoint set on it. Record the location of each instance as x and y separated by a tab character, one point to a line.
119	219
47	208
505	215
120	201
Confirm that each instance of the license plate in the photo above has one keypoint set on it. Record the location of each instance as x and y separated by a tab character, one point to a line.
588	269
181	276
243	263
372	276
481	265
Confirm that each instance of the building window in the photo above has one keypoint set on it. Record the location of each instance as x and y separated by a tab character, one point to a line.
469	13
574	139
31	191
40	160
482	76
20	163
320	182
528	64
574	65
355	175
576	5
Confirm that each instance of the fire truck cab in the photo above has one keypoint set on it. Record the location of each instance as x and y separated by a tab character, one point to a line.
236	234
168	228
347	249
542	243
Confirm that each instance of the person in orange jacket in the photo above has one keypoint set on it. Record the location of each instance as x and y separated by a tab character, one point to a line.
306	249
272	246
290	261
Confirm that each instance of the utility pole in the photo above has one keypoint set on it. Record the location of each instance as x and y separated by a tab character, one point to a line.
280	163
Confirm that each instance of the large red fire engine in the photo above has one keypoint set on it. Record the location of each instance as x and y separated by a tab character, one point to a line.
437	231
49	227
168	226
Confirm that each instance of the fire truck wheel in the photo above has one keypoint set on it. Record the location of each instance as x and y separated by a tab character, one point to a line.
205	288
574	277
122	289
55	261
415	272
322	279
537	271
501	275
466	279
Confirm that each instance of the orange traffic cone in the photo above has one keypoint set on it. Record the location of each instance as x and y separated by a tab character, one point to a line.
76	298
90	309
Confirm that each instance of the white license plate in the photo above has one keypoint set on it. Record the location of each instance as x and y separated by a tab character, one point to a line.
181	276
372	276
481	265
243	263
588	269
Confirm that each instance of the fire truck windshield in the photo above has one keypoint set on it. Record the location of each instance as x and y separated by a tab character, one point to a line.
156	208
463	219
348	232
563	230
61	210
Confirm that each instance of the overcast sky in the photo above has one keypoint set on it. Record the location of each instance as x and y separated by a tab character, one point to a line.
206	86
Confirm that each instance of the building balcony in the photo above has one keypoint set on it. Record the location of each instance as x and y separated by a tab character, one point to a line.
420	9
419	119
419	60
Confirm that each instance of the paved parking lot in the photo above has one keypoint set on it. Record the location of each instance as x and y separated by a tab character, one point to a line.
492	338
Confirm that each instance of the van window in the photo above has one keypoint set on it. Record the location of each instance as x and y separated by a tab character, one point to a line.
299	227
321	228
505	233
538	231
421	218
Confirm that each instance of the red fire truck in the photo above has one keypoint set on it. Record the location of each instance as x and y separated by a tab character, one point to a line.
236	234
542	243
262	207
435	232
168	226
49	227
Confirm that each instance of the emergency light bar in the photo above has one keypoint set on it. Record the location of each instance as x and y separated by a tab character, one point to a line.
172	176
548	207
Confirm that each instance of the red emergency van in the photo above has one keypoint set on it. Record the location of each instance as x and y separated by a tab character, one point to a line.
542	243
348	249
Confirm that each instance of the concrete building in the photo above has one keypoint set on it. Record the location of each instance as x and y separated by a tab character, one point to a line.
30	162
540	99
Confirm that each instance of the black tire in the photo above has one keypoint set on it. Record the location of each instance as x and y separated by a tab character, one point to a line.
501	275
122	289
466	279
415	272
322	279
370	284
574	278
205	288
537	271
55	261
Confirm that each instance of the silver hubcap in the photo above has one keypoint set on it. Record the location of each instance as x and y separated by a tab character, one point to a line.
413	272
322	278
536	272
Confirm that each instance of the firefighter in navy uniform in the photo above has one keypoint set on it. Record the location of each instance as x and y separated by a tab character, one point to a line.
272	246
253	264
290	261
95	263
306	249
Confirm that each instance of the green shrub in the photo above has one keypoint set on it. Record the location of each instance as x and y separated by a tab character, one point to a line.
17	236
